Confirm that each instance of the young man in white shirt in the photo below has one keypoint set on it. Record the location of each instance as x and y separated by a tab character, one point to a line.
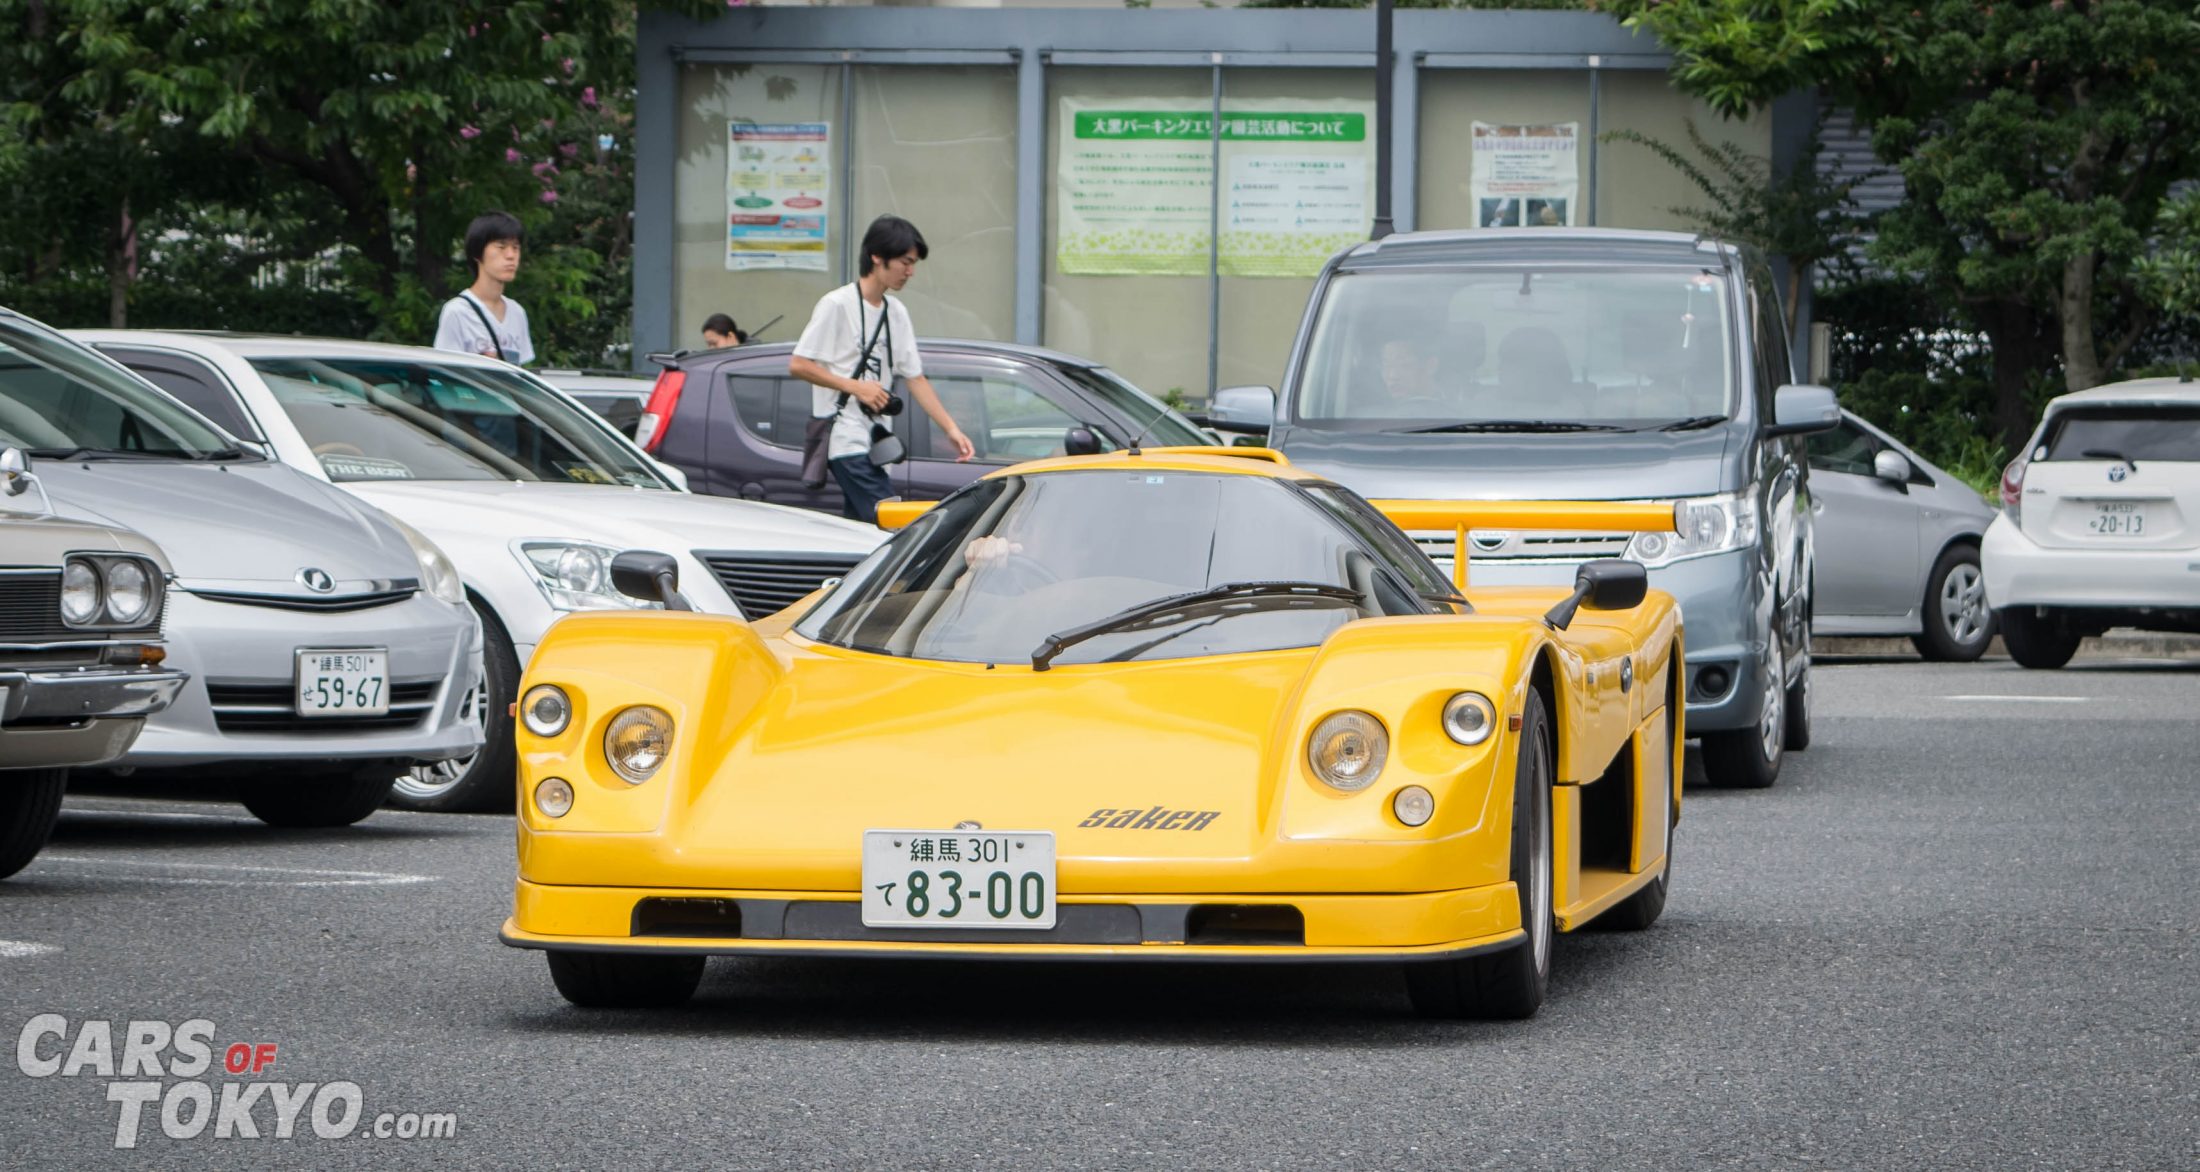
848	322
482	320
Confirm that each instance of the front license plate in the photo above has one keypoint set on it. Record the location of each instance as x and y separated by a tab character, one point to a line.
958	879
343	683
2118	519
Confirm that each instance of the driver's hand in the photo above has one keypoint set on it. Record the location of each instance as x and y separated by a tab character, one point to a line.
868	393
990	550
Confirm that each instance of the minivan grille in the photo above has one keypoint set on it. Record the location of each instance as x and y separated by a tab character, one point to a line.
1557	546
767	583
266	708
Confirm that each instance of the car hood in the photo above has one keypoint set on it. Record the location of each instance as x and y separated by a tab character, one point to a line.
235	522
459	511
1559	466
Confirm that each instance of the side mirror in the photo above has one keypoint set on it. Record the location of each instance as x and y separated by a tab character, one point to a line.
1080	441
1800	410
642	573
1604	584
1243	409
1891	466
15	472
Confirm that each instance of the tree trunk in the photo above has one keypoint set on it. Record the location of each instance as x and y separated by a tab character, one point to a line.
121	259
2023	345
2081	356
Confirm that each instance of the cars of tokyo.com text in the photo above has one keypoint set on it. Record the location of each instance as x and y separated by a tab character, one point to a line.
164	1073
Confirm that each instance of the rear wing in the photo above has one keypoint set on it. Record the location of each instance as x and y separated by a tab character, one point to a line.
1464	517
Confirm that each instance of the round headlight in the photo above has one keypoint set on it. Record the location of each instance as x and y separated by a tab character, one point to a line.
1413	805
1347	750
554	797
638	742
80	601
545	710
582	571
129	593
1469	718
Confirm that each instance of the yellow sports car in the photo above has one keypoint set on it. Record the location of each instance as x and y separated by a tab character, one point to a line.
1171	704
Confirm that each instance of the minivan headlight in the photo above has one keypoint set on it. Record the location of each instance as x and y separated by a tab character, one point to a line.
576	575
1708	525
437	575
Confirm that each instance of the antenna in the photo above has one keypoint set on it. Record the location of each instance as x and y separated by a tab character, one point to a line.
1132	450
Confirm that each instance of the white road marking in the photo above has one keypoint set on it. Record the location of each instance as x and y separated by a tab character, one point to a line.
2025	699
246	876
18	949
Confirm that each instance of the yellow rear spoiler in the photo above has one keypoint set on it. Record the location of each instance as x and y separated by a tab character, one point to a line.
1464	517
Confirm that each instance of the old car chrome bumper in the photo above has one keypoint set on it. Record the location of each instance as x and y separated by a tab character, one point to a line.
78	716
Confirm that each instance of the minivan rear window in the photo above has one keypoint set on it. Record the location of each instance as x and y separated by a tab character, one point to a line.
2124	433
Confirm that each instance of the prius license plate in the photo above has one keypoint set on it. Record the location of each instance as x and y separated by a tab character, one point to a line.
343	683
958	879
2118	519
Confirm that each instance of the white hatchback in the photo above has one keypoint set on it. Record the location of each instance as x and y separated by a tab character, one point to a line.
529	492
2100	522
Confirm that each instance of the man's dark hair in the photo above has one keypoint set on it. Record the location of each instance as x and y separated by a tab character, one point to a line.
890	237
487	229
719	323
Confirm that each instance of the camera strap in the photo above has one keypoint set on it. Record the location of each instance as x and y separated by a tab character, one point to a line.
863	360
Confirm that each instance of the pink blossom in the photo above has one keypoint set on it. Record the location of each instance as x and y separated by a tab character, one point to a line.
511	155
569	65
568	150
588	97
469	132
546	167
549	195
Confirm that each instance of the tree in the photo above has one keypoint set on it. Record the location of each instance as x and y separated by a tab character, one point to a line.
2037	142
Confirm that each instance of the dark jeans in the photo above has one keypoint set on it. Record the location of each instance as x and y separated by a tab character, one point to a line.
863	484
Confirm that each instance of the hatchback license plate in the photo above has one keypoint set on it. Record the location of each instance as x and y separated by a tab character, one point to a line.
2117	519
958	879
343	683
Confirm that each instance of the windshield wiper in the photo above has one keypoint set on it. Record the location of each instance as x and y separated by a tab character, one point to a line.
1180	606
1500	425
2110	454
101	454
1693	423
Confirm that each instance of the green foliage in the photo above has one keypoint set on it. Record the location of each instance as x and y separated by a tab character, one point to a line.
2169	278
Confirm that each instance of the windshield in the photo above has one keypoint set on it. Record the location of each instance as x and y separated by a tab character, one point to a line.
1163	427
60	399
402	419
1612	349
999	566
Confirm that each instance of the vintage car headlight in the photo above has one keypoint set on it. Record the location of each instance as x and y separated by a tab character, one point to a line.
129	592
554	797
81	593
1347	750
545	710
437	575
1413	805
1708	525
1469	718
575	575
638	742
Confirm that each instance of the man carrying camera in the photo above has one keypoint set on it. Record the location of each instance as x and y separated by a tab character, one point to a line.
858	342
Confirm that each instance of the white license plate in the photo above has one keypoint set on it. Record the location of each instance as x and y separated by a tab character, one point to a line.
958	879
343	683
2117	519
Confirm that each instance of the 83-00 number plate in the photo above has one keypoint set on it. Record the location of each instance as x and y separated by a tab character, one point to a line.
958	879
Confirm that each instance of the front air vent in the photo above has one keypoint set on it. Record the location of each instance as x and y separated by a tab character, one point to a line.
272	708
767	583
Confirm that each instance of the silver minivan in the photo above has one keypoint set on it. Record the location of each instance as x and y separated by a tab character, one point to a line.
1583	364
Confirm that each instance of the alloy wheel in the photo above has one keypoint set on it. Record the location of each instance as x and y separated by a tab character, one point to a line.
1772	726
433	779
1963	612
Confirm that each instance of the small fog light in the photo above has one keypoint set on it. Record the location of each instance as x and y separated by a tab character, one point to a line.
554	797
1413	805
1347	750
1469	718
638	742
546	710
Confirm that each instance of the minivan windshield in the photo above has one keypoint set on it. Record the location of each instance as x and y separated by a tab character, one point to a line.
1475	349
59	399
407	419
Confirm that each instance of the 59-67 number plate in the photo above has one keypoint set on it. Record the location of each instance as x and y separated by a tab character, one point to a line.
958	879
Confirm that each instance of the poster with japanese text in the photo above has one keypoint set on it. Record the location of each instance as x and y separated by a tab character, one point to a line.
1134	181
778	184
1525	176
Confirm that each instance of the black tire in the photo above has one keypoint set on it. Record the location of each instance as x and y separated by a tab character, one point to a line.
1956	623
307	798
1796	736
1508	984
2037	637
1749	758
596	980
488	780
30	803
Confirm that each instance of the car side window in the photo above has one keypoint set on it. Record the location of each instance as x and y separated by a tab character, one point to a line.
1007	419
773	408
1844	449
199	386
1768	329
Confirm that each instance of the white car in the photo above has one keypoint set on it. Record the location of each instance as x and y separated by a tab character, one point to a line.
2100	522
530	493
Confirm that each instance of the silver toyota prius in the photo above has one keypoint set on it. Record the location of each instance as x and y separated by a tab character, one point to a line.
329	646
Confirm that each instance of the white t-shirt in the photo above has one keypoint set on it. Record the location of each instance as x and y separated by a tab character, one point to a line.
460	329
839	326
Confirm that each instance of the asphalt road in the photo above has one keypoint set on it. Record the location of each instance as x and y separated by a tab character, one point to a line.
1959	933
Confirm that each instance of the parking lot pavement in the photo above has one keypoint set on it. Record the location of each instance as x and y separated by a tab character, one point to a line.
1958	933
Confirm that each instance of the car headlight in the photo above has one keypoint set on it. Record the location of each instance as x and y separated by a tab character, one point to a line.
545	710
1708	525
82	596
437	574
638	742
129	593
1347	750
1469	718
575	575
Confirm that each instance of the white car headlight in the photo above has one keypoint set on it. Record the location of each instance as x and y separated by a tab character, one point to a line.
437	575
1709	525
576	575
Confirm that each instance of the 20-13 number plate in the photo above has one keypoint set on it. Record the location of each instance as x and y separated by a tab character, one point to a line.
958	879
